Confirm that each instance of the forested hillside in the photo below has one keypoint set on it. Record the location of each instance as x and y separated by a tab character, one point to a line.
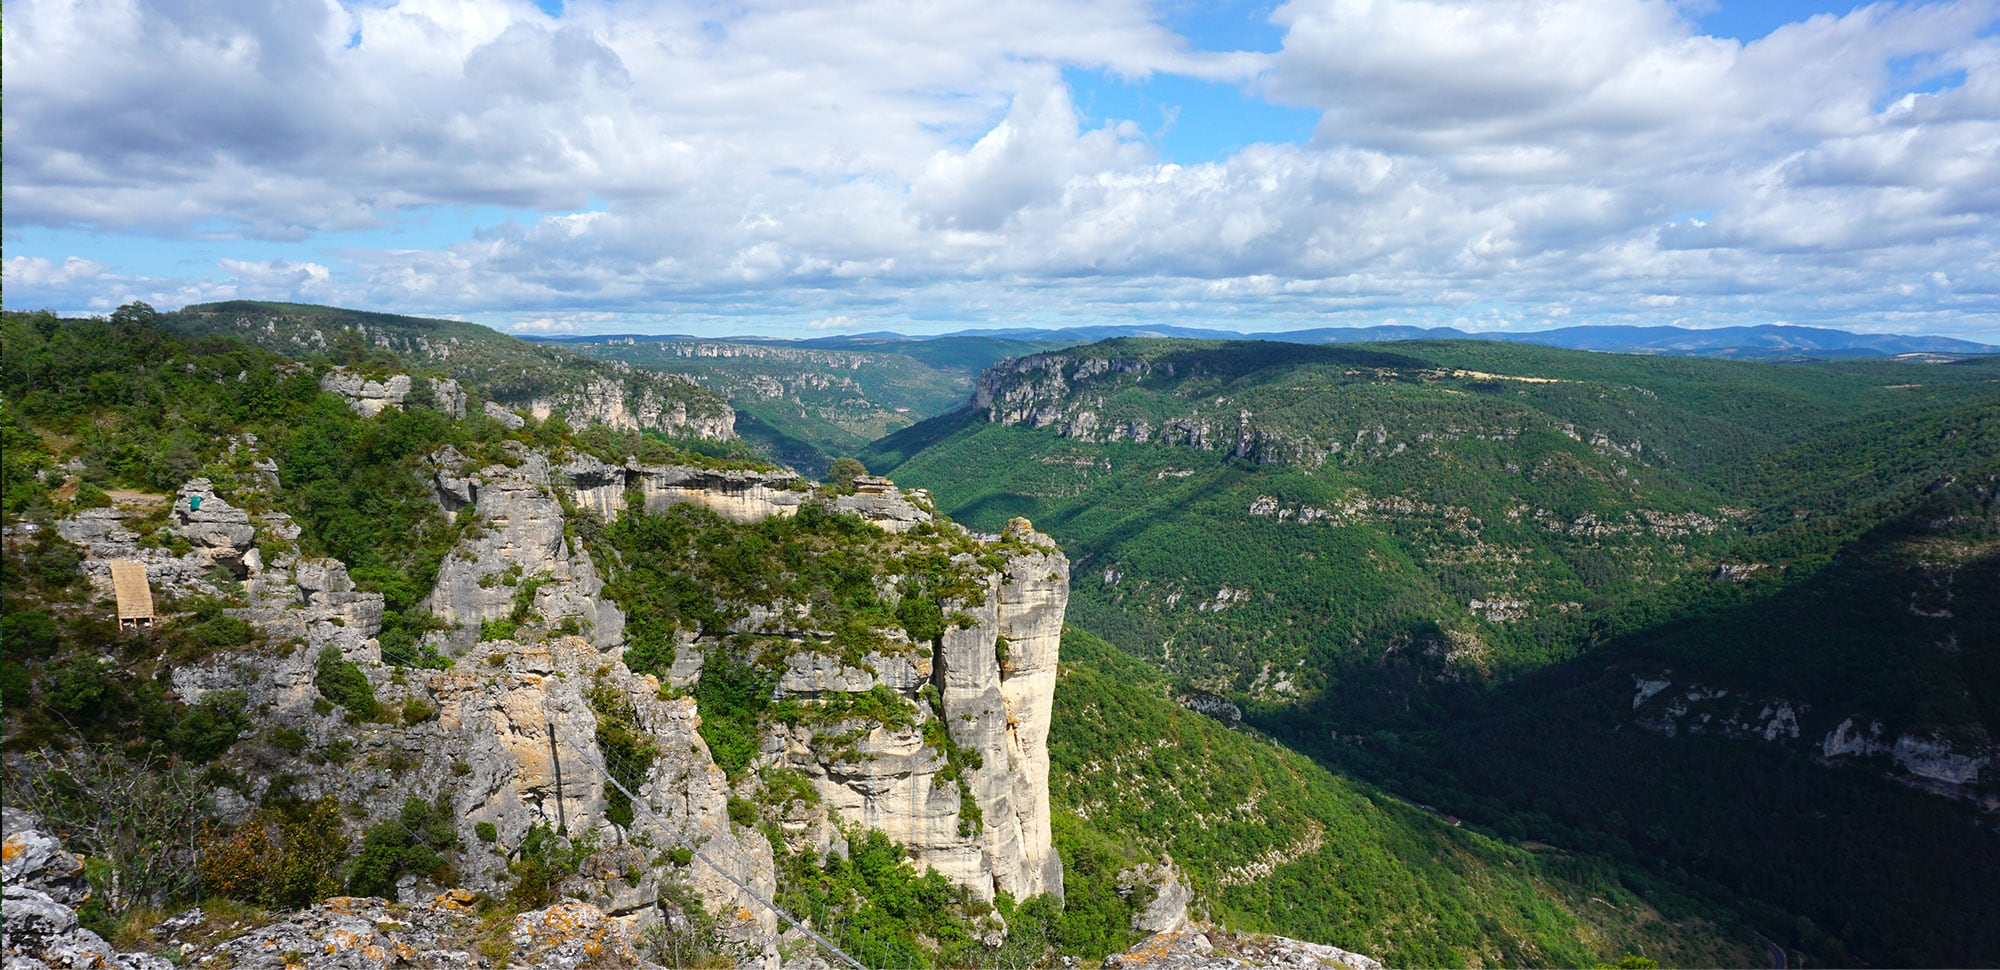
536	378
1529	585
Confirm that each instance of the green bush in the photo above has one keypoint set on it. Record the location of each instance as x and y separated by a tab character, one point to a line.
28	633
343	683
545	860
413	843
211	726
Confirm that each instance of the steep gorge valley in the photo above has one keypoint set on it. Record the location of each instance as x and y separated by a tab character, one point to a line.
1437	653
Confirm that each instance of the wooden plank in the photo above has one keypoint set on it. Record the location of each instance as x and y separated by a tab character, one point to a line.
135	595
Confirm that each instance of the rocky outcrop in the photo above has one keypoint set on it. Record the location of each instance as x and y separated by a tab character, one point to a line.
42	885
624	405
369	397
183	553
740	495
515	557
1959	767
508	737
1068	395
507	419
879	501
1166	895
1205	946
996	684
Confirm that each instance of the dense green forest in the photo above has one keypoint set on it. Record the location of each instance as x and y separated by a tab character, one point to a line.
1277	843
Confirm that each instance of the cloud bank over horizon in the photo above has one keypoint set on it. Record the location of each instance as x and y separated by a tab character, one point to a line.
800	169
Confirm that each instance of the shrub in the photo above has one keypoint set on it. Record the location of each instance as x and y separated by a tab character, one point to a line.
211	726
28	633
343	683
78	687
288	855
413	843
546	859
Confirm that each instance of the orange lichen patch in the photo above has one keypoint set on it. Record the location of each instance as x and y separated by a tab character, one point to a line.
12	848
348	905
453	901
562	923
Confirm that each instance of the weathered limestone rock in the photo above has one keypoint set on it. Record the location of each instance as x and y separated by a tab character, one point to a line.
217	534
518	548
509	738
353	933
879	501
1929	760
996	703
220	533
736	494
369	398
32	859
1205	946
620	407
43	884
1166	910
498	412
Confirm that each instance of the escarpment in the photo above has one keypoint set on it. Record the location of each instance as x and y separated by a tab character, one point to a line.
1083	397
907	686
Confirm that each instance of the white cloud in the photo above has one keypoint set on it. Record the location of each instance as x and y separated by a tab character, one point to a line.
836	322
545	326
35	271
826	162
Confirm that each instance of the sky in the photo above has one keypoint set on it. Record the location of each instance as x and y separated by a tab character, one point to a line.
923	166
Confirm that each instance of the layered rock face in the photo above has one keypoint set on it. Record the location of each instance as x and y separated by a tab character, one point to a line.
1959	765
1067	395
624	408
45	884
368	398
737	495
995	686
514	551
511	735
187	553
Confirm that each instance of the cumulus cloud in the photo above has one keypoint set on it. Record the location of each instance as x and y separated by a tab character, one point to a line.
1588	159
38	272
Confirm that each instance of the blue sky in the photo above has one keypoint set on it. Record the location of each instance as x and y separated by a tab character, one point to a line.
596	166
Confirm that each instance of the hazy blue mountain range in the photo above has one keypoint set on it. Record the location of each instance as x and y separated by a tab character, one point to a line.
1754	342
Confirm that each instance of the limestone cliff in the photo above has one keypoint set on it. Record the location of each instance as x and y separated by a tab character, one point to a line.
511	737
513	556
1069	394
369	397
633	405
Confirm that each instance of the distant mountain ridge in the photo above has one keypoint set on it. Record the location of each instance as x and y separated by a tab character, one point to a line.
1763	341
524	375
